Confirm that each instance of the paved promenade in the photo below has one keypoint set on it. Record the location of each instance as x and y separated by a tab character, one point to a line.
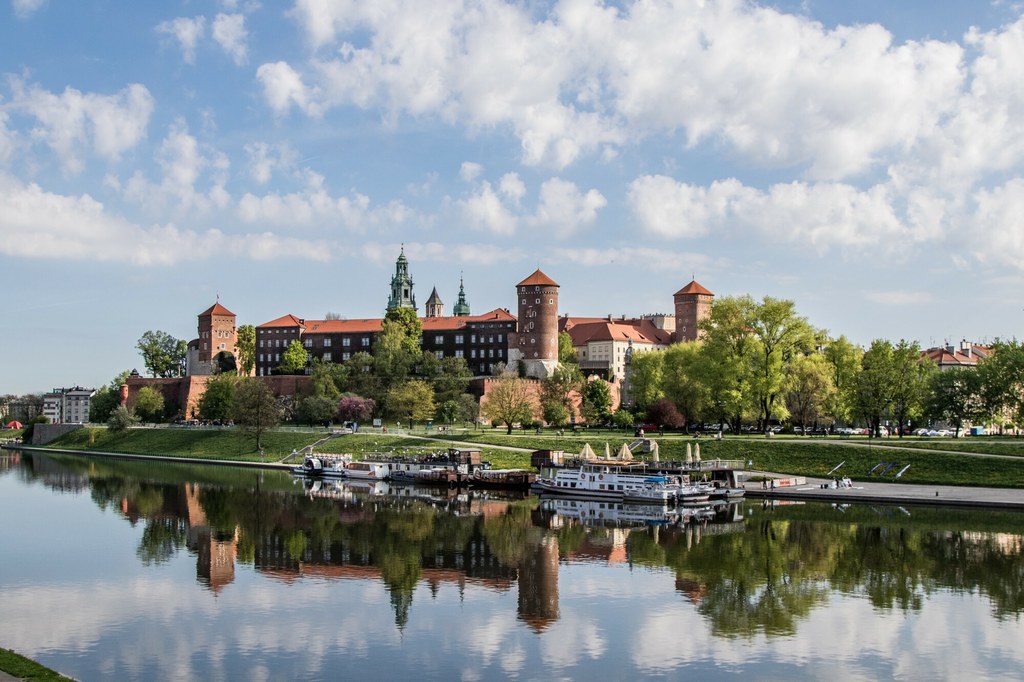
892	493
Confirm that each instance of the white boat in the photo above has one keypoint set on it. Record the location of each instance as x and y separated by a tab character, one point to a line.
658	490
326	466
374	471
598	479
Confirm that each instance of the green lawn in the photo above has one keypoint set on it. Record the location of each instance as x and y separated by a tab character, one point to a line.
26	669
801	456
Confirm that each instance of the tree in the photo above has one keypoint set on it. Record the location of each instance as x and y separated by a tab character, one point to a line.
121	419
623	419
246	349
293	359
107	398
218	401
781	335
448	412
597	402
509	401
875	383
844	360
413	399
394	356
406	320
910	382
1002	382
556	393
329	379
452	380
955	396
316	409
361	379
469	407
352	408
163	355
566	352
256	410
663	412
645	379
684	381
809	388
149	404
554	412
727	356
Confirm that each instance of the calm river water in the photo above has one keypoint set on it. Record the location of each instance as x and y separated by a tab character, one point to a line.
142	571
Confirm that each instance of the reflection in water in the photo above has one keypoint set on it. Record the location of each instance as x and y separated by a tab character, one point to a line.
746	570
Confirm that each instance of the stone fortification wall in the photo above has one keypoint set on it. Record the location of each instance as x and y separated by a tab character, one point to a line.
45	433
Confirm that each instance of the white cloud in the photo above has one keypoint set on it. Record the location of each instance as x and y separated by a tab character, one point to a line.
563	209
436	252
35	223
899	298
283	86
23	9
512	187
998	224
820	215
187	32
779	89
485	210
647	258
315	207
470	171
229	32
266	159
74	122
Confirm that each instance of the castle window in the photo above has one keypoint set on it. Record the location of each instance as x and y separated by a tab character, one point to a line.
439	354
346	356
500	338
327	344
524	301
537	301
261	343
366	341
345	342
551	300
459	339
438	340
458	353
307	343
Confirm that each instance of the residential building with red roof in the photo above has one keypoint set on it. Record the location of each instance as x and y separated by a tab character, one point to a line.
966	354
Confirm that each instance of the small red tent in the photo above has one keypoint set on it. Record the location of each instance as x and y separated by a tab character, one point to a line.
14	425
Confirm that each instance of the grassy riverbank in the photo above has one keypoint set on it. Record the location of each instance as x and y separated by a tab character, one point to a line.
26	669
927	460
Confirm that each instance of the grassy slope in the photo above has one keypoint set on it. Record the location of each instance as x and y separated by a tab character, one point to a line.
26	669
810	457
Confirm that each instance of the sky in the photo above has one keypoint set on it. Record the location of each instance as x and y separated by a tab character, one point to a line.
864	160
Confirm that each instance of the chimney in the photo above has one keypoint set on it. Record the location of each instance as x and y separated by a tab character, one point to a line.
965	347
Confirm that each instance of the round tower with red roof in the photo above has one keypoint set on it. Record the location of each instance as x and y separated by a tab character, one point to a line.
536	342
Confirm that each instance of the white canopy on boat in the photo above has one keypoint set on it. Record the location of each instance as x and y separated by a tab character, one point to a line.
696	452
587	452
624	452
689	454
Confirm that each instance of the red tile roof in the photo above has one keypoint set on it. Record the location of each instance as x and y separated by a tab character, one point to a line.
953	356
538	278
216	309
585	332
285	321
371	326
693	288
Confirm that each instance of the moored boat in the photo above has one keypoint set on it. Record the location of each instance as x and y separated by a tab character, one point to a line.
363	469
655	490
503	478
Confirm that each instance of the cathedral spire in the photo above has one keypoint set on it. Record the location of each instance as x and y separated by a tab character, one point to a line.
401	285
461	308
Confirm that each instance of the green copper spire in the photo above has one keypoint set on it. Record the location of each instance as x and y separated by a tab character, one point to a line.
461	308
401	285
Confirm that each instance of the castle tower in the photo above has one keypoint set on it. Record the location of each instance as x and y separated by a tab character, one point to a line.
536	341
693	304
461	308
216	349
401	285
435	307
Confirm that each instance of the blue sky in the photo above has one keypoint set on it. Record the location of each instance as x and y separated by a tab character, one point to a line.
862	159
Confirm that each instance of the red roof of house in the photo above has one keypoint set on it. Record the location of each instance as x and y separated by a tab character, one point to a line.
966	355
644	327
217	309
538	278
693	288
585	332
285	321
371	325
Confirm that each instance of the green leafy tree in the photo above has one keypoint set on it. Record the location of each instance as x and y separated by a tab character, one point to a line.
106	399
910	382
509	401
684	380
410	325
293	359
728	356
246	349
645	379
623	419
329	379
316	409
361	378
412	399
394	356
566	353
955	396
597	402
256	409
557	390
121	419
780	335
844	361
218	401
469	408
448	412
1002	382
875	383
163	355
149	404
809	388
452	380
554	412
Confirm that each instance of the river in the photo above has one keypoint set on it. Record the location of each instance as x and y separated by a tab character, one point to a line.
149	571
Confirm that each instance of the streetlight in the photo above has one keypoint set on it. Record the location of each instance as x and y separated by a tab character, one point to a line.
721	419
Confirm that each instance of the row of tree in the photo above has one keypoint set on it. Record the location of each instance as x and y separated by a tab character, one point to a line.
759	362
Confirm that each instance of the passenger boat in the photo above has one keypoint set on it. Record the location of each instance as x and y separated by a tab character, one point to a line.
502	478
655	490
597	479
323	466
363	469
